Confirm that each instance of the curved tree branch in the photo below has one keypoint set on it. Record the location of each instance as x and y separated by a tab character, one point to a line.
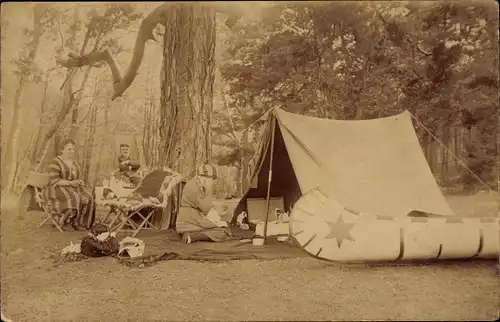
145	33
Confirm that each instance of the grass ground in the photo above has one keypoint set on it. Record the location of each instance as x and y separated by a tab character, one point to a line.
299	288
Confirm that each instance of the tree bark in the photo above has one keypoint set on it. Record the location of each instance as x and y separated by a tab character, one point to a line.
187	87
90	134
103	142
12	143
244	164
35	138
444	153
150	131
41	149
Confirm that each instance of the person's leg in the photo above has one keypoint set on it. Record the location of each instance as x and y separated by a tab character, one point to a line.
135	178
87	215
77	218
208	235
189	238
87	210
68	219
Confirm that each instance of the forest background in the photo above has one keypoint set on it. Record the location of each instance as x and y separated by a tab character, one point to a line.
207	78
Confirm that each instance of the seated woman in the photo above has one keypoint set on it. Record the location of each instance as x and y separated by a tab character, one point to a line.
196	202
66	193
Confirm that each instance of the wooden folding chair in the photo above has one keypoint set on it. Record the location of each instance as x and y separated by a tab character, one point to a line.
36	183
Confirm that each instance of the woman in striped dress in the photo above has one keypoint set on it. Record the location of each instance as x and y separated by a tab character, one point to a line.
66	194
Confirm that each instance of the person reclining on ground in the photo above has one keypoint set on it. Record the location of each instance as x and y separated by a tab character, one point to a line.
128	169
66	193
196	203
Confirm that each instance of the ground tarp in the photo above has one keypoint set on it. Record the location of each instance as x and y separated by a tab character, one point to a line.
373	166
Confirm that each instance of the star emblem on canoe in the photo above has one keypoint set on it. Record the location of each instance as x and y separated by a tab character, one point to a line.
340	230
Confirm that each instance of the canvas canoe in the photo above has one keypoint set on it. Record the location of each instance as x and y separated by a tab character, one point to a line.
328	230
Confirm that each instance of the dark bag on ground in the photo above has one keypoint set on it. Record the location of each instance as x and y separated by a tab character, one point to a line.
93	247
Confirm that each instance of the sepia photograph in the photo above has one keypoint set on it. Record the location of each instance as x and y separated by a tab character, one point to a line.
250	161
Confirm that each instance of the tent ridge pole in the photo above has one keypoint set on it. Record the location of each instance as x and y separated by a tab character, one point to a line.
270	177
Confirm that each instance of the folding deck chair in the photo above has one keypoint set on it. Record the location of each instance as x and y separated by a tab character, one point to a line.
124	213
33	193
140	204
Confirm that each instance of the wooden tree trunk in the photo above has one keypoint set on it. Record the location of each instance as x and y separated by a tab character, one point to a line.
74	108
244	164
70	101
12	144
150	135
146	134
19	172
187	87
444	154
42	150
90	136
146	130
104	140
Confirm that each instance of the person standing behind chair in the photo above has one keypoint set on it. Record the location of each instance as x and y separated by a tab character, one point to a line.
196	202
66	193
128	168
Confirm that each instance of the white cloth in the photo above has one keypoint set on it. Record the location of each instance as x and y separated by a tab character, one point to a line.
215	217
71	249
131	247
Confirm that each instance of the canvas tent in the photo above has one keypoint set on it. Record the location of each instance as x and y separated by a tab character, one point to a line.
373	166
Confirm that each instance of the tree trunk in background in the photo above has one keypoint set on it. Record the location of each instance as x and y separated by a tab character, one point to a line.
75	112
90	133
150	134
71	101
43	149
244	164
187	87
444	153
12	144
57	145
19	171
456	145
89	144
104	140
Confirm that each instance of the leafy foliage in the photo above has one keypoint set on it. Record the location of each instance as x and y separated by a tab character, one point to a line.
349	60
342	60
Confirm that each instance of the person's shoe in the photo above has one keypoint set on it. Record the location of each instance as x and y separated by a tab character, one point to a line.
61	221
186	239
